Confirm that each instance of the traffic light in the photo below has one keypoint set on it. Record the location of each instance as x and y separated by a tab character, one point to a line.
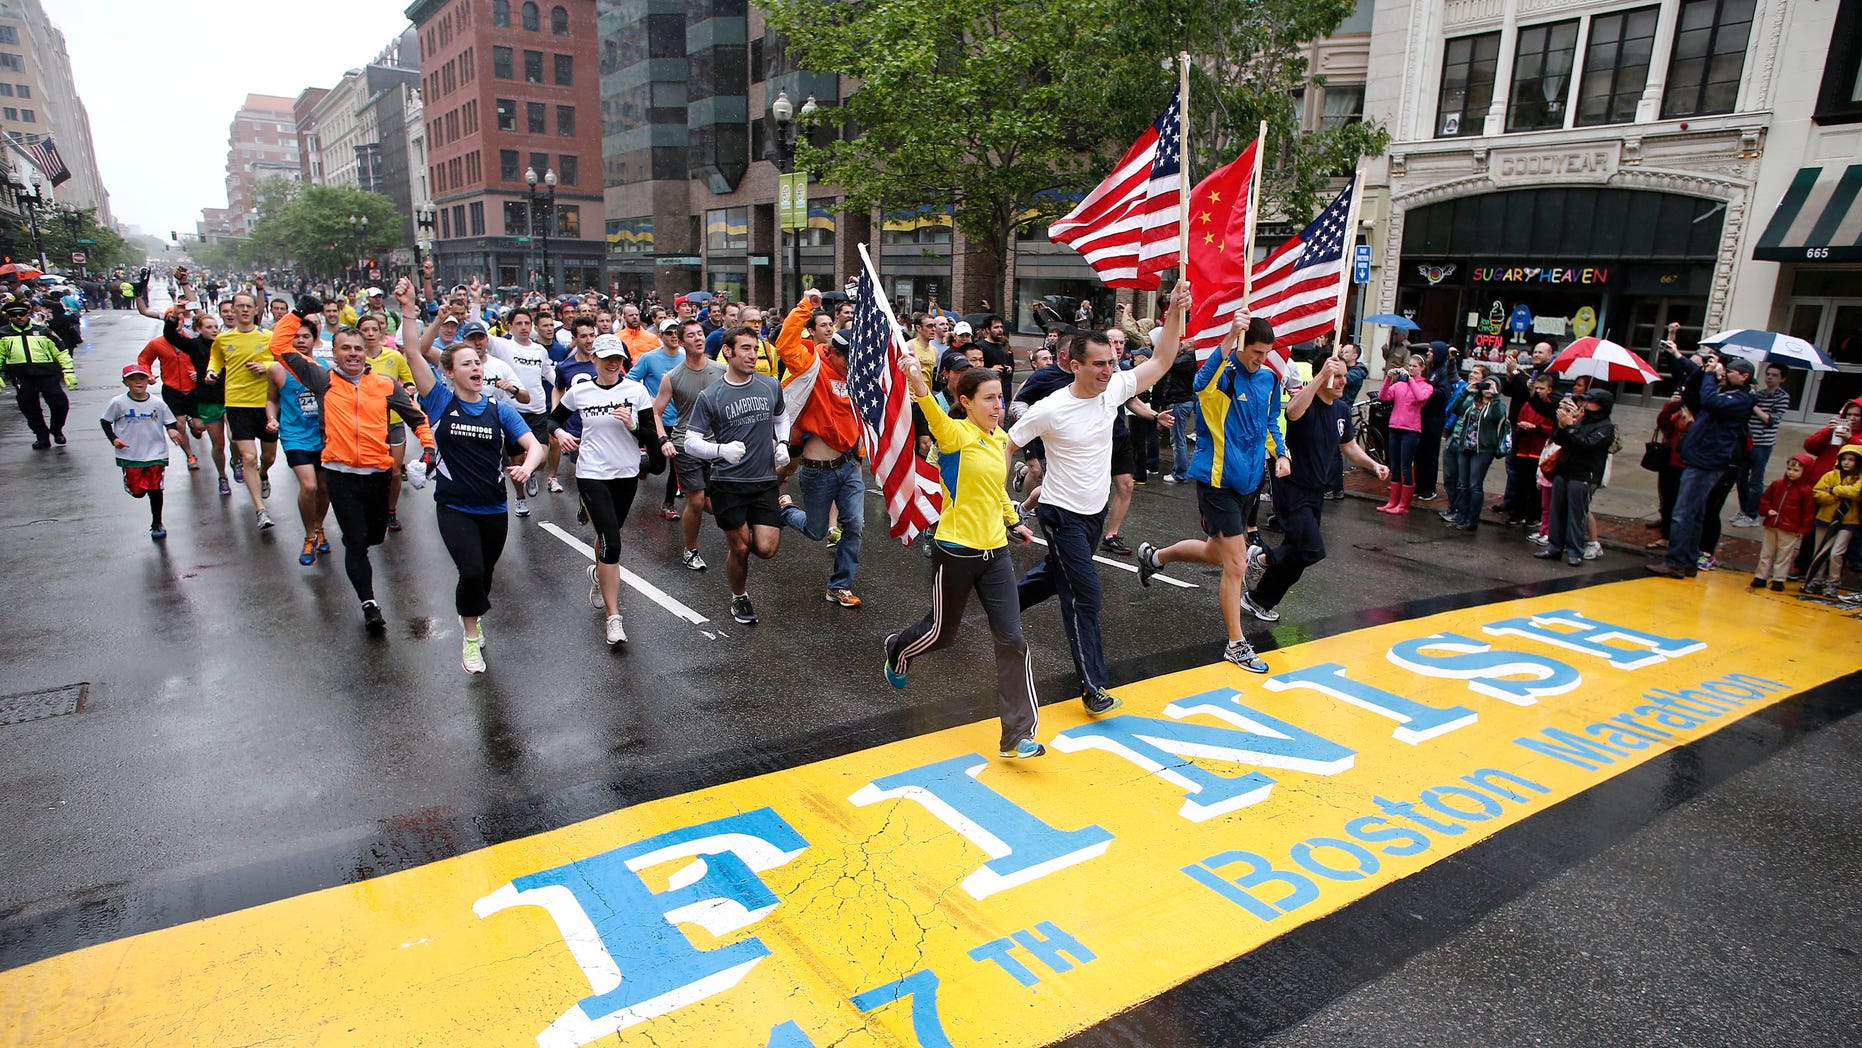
174	236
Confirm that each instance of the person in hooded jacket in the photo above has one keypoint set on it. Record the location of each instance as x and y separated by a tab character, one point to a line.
1584	435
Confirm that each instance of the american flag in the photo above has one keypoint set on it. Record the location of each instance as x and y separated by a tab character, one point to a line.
876	385
49	161
1297	288
1126	228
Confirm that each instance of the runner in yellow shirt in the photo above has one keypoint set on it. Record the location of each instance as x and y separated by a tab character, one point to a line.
240	362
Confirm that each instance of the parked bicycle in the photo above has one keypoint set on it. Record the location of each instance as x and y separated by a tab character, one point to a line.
1371	418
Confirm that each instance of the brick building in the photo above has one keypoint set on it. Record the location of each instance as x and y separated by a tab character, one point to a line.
511	87
261	143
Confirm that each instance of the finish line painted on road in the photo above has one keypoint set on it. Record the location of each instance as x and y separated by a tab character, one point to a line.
921	893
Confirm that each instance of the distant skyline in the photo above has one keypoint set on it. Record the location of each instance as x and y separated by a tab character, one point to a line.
161	84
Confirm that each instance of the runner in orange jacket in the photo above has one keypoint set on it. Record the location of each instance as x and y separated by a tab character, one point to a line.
357	460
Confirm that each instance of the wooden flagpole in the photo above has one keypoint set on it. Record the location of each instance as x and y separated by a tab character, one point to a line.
1254	207
1183	155
1350	248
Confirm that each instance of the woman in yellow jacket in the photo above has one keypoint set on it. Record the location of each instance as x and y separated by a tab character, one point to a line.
971	551
1839	510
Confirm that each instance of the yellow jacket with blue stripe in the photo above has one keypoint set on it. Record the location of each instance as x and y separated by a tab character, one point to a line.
975	467
1237	424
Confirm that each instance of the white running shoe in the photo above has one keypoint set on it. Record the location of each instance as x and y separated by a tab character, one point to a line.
1593	550
521	506
594	589
613	630
1256	568
473	656
265	521
693	560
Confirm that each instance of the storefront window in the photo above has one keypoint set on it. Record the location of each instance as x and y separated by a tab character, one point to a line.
727	282
727	229
820	231
628	236
1709	55
1042	303
1468	67
1616	66
1542	76
919	226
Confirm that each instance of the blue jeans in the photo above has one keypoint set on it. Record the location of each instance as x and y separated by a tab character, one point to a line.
1752	479
1069	573
1690	516
1467	481
1185	424
841	486
1403	455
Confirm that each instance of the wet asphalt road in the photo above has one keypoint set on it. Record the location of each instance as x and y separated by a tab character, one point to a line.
239	719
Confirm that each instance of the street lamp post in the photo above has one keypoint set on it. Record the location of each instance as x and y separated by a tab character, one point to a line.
784	113
76	220
549	215
424	220
29	203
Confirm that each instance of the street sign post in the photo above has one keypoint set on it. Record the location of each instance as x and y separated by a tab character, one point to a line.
1360	272
77	258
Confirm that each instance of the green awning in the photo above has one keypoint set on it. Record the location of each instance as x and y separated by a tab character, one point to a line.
1819	219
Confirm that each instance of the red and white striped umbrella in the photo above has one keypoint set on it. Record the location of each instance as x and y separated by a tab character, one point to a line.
1604	361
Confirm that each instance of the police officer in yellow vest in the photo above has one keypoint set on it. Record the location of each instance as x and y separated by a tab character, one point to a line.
33	363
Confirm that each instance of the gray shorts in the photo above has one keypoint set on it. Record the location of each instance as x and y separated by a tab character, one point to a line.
693	471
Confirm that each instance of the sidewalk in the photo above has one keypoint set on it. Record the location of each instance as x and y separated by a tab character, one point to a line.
1627	502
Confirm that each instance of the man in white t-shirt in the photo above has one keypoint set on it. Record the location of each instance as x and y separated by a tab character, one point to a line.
530	360
1075	425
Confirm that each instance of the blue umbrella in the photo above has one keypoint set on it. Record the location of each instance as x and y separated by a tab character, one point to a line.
1770	347
700	297
1392	320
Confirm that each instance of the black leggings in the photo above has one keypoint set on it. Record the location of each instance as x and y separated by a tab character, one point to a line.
607	502
476	541
360	504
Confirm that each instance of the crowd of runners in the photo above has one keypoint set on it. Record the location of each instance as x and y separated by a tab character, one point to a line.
494	403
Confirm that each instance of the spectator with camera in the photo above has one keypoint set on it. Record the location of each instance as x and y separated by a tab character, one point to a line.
1720	394
1473	442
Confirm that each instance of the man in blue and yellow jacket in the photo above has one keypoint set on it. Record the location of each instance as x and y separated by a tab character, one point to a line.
1238	412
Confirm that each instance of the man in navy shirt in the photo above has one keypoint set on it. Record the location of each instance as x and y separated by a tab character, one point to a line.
1318	428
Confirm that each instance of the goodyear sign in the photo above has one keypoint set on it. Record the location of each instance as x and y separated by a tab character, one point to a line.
921	893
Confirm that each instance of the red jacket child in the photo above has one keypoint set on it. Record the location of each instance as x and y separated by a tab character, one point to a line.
1791	501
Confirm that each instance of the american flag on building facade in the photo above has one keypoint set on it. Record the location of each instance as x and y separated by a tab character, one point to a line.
876	385
1126	228
1298	288
46	154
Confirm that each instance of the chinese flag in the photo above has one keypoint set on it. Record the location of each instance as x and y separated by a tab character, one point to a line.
1218	246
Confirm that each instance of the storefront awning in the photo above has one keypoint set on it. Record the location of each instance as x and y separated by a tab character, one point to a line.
1819	219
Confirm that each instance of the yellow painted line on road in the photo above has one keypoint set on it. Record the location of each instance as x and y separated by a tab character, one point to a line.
921	893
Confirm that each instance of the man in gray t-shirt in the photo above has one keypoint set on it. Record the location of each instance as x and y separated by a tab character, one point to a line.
738	425
681	387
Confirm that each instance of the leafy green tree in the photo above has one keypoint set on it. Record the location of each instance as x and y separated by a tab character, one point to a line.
307	228
61	229
1003	110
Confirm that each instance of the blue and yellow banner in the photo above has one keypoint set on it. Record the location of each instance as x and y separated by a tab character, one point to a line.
926	893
